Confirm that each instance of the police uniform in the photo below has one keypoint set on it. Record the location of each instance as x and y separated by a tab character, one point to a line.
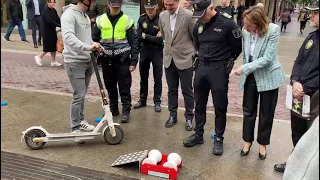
218	43
151	48
305	71
118	37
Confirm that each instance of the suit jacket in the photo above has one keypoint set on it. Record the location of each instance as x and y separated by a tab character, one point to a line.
179	47
31	8
14	10
265	65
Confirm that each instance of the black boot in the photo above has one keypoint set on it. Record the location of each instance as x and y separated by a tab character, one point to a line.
139	105
157	108
125	118
218	146
193	140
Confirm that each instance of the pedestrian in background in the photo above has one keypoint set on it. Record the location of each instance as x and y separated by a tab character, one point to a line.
240	9
261	75
95	10
50	20
285	19
223	8
34	8
14	17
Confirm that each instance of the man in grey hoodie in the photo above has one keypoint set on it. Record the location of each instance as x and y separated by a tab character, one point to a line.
76	34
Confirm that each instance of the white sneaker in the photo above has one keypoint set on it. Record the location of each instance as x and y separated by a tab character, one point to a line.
56	64
38	60
78	141
84	125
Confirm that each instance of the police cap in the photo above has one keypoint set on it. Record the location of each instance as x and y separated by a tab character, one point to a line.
150	4
115	3
314	7
200	7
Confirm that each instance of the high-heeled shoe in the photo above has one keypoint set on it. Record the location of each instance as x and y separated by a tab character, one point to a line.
245	153
263	156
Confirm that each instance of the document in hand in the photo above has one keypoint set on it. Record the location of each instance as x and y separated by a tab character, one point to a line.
301	107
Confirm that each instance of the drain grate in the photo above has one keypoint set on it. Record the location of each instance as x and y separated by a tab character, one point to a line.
20	167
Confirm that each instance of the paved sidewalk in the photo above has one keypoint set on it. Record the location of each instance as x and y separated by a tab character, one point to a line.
145	131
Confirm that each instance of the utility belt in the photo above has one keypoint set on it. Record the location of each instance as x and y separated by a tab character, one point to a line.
227	65
119	55
216	64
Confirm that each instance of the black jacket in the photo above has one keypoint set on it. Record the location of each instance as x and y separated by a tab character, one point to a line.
306	66
218	40
131	37
14	10
31	8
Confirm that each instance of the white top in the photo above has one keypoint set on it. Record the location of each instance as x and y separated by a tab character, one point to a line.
253	43
36	7
173	19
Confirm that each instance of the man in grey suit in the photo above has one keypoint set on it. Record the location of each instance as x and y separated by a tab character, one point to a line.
34	8
176	26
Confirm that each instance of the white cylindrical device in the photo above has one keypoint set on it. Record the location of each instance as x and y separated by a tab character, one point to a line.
154	157
173	161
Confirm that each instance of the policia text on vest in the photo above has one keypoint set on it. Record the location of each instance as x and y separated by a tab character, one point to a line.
118	37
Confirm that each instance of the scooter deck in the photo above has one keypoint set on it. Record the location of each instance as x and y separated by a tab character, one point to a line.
57	135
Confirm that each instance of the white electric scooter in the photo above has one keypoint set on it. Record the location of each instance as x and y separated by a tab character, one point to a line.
36	137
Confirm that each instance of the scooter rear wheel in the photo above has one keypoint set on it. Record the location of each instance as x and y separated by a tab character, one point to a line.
28	138
113	140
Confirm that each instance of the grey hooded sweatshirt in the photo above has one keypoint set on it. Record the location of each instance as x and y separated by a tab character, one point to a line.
76	34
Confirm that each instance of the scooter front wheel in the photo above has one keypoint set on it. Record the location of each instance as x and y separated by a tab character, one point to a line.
30	135
113	140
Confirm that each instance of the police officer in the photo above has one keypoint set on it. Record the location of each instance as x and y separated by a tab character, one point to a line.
218	42
305	78
151	43
116	33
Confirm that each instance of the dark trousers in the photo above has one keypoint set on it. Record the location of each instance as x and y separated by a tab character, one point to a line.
284	25
299	126
173	75
36	22
211	78
268	102
302	25
114	75
155	58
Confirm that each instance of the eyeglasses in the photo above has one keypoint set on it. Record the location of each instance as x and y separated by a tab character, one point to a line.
312	13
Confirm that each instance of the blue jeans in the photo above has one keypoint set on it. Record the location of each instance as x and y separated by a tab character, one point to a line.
11	26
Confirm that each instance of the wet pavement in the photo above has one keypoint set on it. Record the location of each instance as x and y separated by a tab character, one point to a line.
145	131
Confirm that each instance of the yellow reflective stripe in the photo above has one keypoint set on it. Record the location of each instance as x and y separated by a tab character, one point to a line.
129	23
98	20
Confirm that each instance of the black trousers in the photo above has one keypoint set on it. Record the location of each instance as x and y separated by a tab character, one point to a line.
284	25
36	22
299	126
173	76
302	25
114	75
211	78
154	57
268	102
